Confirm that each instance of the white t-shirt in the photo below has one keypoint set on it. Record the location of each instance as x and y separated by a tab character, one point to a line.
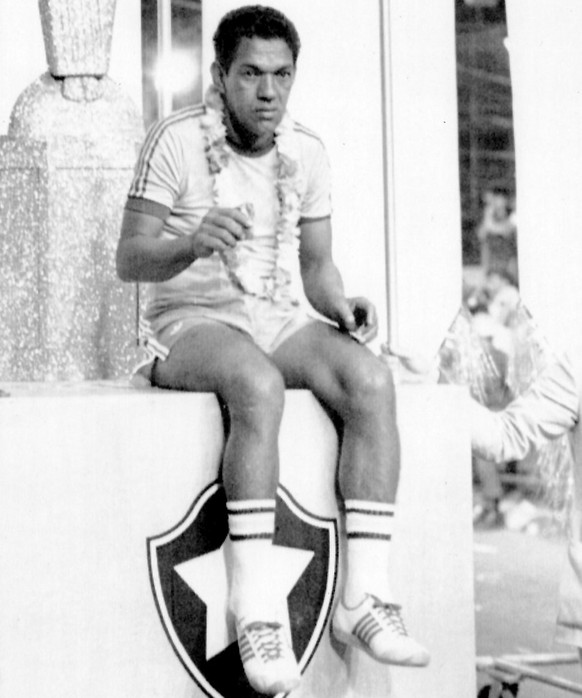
172	177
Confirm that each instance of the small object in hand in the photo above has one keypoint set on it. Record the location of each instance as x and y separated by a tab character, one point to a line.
249	211
360	316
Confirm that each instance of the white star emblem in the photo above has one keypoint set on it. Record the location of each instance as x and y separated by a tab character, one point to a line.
206	575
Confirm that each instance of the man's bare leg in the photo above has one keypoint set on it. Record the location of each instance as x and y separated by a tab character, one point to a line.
215	358
358	387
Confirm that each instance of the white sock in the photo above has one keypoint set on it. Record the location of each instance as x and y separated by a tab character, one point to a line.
369	535
251	525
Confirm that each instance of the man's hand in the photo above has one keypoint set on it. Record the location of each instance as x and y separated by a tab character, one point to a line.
220	230
359	318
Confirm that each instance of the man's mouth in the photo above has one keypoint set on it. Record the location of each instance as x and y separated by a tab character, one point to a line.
266	113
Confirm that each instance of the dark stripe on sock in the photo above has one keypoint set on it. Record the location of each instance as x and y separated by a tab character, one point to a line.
257	510
369	512
376	536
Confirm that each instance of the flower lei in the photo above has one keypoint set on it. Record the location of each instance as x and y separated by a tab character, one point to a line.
288	187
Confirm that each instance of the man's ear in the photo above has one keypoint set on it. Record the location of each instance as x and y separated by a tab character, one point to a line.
217	76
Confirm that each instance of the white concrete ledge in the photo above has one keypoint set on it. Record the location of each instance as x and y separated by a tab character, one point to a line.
90	471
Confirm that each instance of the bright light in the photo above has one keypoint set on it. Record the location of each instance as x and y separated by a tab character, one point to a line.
177	72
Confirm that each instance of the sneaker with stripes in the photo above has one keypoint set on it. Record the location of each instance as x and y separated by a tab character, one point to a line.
378	629
267	657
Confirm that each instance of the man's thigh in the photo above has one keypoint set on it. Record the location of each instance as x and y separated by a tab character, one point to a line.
320	358
208	357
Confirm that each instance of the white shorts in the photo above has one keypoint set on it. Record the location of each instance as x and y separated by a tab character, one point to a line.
269	324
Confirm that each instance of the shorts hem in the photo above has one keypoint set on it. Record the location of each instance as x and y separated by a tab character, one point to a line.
568	635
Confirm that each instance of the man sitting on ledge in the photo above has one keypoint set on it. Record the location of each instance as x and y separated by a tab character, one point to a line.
228	212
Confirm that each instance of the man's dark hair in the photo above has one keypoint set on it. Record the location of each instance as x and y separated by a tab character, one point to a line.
248	22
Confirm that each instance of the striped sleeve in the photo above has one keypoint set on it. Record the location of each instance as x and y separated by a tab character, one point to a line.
159	167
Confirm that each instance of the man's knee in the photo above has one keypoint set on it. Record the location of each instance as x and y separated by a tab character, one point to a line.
256	392
370	383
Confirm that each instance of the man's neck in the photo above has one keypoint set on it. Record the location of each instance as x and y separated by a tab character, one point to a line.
246	143
253	150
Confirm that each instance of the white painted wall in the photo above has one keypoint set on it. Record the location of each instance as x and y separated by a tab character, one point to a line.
546	70
22	55
79	499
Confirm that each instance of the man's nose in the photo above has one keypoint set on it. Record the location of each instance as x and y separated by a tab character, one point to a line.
267	86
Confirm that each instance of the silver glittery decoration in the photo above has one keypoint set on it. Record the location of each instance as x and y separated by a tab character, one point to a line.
77	36
464	360
66	165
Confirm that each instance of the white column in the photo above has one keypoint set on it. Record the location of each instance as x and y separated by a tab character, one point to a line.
546	73
423	191
338	93
125	66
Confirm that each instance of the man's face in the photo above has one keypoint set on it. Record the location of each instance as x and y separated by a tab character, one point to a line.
257	87
498	205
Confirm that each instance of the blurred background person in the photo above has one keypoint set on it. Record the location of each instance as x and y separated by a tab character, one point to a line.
497	234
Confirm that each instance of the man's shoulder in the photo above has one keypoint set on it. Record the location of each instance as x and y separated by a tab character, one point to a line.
306	134
183	123
311	146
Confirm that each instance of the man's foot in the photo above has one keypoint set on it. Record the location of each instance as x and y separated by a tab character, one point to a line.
267	657
378	629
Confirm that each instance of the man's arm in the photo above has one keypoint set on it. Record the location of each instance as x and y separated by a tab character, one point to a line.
142	255
549	409
323	284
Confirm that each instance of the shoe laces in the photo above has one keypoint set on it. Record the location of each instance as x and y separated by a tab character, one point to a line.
267	640
389	614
